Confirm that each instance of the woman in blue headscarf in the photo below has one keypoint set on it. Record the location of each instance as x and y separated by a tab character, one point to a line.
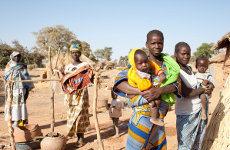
16	70
76	78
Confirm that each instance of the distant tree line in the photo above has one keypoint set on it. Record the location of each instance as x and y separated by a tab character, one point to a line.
29	57
59	38
204	50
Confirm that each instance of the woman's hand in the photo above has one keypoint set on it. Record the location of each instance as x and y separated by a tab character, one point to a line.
152	94
155	93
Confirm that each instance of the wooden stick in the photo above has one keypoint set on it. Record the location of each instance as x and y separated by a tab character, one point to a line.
37	80
50	63
9	110
52	111
58	55
101	146
53	92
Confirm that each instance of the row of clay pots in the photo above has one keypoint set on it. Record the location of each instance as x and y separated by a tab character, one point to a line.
25	134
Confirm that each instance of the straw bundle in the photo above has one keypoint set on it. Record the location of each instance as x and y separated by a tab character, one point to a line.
218	132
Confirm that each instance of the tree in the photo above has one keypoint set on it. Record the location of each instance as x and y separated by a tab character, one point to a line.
57	37
19	47
28	57
5	51
99	54
204	50
123	61
86	50
107	53
103	53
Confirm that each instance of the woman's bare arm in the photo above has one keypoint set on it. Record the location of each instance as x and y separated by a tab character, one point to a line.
189	92
126	88
193	92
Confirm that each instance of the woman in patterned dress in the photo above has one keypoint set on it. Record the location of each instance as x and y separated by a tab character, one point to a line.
77	100
17	70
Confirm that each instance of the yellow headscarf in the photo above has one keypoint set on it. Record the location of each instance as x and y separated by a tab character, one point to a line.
131	57
133	78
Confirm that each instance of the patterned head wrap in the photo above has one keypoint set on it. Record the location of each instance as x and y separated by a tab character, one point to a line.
75	46
14	54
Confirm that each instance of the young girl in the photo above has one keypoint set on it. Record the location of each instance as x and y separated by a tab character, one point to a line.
203	78
190	126
115	111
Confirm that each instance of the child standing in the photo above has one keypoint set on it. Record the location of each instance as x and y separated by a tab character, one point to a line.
115	111
203	77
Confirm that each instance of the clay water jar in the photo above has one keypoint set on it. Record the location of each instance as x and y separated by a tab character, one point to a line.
53	141
26	133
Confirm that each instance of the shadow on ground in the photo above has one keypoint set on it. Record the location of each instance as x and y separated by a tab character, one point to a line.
106	132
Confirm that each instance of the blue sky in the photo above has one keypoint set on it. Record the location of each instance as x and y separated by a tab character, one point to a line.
120	24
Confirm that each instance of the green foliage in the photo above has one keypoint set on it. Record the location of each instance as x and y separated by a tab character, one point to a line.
103	53
5	51
58	38
123	61
86	50
32	57
99	54
17	46
204	50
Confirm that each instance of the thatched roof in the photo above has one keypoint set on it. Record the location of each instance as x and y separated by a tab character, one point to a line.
217	134
223	42
219	58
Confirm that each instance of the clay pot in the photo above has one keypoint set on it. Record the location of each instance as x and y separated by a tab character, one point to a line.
53	142
26	133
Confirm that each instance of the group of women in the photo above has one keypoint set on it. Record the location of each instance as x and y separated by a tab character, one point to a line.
142	134
76	76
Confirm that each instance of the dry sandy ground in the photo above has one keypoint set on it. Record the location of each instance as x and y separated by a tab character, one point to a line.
39	113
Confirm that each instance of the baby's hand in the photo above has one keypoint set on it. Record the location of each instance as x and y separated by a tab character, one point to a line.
205	82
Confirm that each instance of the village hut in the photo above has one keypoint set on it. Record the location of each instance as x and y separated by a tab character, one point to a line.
218	131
